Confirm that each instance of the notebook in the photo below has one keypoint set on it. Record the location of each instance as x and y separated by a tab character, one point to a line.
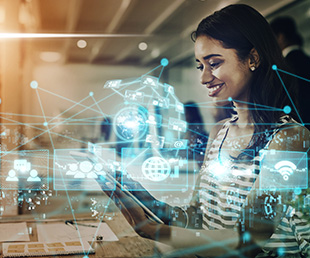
46	249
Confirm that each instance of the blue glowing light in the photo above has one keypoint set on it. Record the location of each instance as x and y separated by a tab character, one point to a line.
34	84
131	124
281	251
229	99
164	62
274	67
91	93
297	191
246	237
45	123
287	109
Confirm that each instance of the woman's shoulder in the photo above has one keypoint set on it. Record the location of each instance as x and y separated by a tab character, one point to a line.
290	135
218	126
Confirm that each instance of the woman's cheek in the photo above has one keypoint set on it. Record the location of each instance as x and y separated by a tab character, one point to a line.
218	74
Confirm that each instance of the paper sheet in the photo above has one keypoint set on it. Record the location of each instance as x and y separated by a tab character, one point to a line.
61	232
12	232
44	249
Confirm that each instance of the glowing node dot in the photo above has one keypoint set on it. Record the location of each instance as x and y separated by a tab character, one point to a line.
45	123
297	191
164	62
287	109
91	94
142	46
281	251
34	84
246	236
229	99
81	43
85	256
274	67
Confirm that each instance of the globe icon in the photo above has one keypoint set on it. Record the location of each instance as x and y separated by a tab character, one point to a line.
156	169
130	123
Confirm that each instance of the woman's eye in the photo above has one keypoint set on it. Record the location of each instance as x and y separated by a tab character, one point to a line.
199	67
214	65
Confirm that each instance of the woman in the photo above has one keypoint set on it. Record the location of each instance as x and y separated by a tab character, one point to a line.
235	50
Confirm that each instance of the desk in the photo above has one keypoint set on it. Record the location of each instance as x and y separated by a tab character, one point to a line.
129	245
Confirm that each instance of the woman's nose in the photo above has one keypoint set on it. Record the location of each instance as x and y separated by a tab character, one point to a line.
206	76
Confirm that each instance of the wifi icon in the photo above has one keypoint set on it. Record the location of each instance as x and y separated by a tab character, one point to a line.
285	168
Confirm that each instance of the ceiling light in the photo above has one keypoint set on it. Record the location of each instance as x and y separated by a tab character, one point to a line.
155	53
142	46
81	43
50	57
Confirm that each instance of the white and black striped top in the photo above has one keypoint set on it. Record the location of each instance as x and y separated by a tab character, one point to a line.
225	183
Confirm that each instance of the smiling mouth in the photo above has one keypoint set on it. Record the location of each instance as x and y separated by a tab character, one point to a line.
214	90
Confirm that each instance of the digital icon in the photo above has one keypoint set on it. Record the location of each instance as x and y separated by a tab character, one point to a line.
176	163
180	144
232	196
285	168
149	81
22	165
177	124
179	107
34	176
154	119
161	102
78	169
270	203
169	88
12	176
85	169
112	84
28	168
157	141
134	96
156	169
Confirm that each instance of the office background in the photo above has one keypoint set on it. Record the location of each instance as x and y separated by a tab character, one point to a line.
127	39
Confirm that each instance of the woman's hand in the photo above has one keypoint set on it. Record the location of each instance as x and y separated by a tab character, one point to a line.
161	209
134	214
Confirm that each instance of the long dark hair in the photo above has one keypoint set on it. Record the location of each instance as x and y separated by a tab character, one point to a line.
242	28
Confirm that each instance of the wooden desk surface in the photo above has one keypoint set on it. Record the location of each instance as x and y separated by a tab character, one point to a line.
129	245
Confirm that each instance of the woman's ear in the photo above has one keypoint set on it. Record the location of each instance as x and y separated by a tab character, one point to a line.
254	59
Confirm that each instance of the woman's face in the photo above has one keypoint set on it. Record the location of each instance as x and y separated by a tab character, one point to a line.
222	72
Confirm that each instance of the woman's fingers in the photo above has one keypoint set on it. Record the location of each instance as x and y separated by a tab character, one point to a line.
124	210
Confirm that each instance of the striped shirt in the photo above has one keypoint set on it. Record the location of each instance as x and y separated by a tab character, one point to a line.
223	189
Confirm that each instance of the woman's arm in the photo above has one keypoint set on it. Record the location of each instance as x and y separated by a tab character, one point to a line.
189	241
265	208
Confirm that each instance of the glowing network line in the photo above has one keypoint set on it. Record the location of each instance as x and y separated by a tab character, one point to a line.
87	121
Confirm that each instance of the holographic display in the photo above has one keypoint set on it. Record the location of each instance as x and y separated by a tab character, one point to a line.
155	169
25	170
283	170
